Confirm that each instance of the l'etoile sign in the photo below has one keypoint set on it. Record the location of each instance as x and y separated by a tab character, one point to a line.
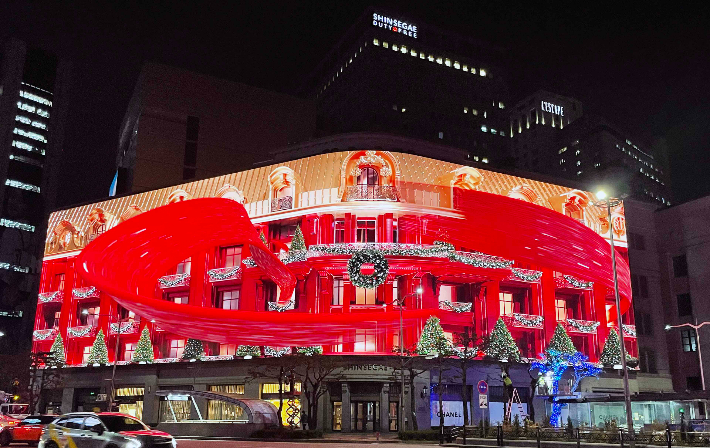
394	25
555	109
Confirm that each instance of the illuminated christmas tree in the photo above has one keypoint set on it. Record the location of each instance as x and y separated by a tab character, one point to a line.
611	353
297	243
144	348
193	349
501	345
99	351
249	350
561	342
58	358
433	340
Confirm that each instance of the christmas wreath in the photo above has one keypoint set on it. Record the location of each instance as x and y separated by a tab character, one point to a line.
361	257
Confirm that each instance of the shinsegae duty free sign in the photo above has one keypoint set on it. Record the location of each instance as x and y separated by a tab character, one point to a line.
394	25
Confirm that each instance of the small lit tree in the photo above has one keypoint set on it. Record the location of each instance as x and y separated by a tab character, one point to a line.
57	358
249	350
193	349
99	351
298	243
611	353
561	342
144	348
501	344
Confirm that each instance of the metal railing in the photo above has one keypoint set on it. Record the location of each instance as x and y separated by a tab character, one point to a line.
372	193
616	436
284	203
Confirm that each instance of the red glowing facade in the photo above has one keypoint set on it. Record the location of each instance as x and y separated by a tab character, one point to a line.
217	260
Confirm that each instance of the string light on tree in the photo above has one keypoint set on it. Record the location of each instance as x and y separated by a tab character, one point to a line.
248	351
58	358
193	349
561	341
144	348
501	344
99	351
433	341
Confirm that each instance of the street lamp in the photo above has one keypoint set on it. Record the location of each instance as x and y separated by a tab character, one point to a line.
608	203
695	327
400	303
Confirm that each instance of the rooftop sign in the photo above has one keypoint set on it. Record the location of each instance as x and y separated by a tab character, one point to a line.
555	109
394	25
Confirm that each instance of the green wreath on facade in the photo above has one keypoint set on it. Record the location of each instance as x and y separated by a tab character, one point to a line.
365	256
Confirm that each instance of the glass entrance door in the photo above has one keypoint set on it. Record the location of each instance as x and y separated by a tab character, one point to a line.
365	416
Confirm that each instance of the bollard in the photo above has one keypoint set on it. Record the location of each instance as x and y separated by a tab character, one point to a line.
621	437
500	435
578	441
669	438
464	434
538	437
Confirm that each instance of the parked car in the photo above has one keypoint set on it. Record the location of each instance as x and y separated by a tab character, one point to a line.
29	429
87	429
6	420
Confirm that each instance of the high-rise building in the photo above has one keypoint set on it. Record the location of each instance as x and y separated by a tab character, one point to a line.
390	73
33	88
550	134
182	125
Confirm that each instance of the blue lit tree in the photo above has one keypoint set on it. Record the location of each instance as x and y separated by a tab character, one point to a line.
556	364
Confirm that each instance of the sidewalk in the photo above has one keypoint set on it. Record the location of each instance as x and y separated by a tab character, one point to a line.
360	437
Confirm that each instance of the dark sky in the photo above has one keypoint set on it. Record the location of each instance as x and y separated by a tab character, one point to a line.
645	67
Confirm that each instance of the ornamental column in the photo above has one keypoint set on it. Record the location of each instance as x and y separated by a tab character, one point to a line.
385	408
345	415
547	283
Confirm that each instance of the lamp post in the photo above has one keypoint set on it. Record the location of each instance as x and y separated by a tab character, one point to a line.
608	203
400	303
695	327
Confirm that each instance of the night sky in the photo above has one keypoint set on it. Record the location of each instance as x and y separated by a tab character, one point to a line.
645	68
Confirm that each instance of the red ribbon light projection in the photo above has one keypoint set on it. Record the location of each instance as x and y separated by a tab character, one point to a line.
126	261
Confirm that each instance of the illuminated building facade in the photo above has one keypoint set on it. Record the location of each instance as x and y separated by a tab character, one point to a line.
480	244
32	111
430	84
550	134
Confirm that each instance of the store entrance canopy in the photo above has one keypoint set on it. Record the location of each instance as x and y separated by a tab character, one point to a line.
256	411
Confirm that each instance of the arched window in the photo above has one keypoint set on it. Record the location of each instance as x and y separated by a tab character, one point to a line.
368	176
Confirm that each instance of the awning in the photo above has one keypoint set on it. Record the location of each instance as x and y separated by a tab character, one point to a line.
257	411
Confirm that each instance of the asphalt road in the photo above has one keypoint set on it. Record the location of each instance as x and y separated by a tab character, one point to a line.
186	443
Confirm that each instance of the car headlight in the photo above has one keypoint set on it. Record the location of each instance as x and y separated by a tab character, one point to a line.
132	442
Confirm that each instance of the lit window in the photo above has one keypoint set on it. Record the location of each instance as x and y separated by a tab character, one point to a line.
385	44
506	303
457	65
474	111
473	70
177	346
431	58
484	160
128	349
577	152
180	298
85	354
465	68
338	291
366	231
562	150
90	315
365	341
31	135
501	105
688	339
365	296
493	131
376	42
579	162
465	110
229	299
229	349
403	49
447	62
33	97
482	72
21	185
422	56
562	161
441	135
184	266
230	256
561	309
439	61
579	173
395	47
475	158
484	128
404	109
339	230
413	53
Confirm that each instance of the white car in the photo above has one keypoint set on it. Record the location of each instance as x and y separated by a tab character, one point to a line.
103	430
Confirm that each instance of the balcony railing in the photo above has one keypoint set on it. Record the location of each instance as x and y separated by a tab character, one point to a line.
372	193
44	335
174	281
447	305
518	320
581	326
223	274
284	203
629	330
85	293
50	297
567	281
81	331
129	327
